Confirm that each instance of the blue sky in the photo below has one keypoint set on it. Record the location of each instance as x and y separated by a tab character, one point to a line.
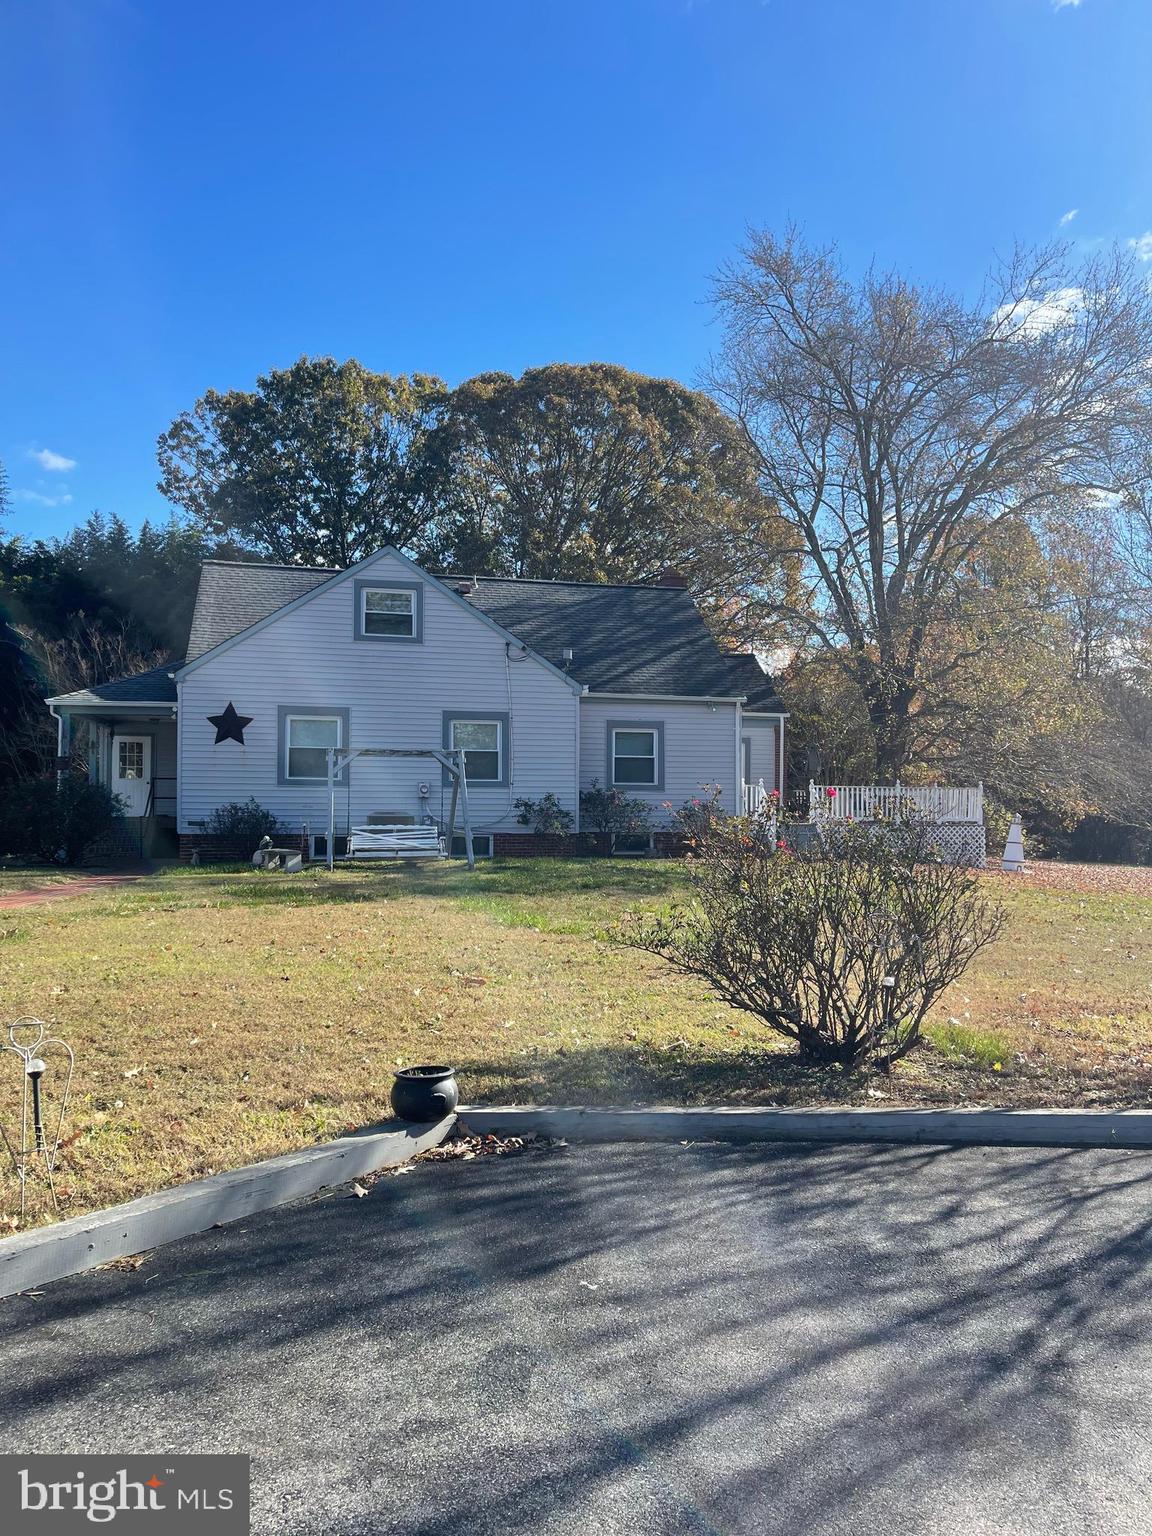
194	194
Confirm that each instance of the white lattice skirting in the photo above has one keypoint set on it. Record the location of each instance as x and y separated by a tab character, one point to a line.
959	842
956	842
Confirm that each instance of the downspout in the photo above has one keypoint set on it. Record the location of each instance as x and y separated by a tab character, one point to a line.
177	715
579	737
780	768
63	741
739	806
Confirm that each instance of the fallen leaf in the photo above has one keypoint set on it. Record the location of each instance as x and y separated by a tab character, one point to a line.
128	1263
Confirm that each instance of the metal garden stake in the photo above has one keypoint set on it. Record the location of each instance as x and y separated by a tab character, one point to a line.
38	1146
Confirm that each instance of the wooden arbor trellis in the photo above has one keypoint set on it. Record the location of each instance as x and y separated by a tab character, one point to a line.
451	759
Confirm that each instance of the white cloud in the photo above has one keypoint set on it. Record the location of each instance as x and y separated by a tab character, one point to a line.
55	463
1069	216
1059	5
1034	317
1142	245
39	499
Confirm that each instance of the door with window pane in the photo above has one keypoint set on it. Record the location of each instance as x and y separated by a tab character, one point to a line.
132	772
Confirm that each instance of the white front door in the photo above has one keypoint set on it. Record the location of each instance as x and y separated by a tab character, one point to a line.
132	772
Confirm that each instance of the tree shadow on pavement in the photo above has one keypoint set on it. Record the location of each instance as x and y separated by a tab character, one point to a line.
697	1338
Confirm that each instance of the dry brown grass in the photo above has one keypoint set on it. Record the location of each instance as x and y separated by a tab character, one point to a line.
223	1017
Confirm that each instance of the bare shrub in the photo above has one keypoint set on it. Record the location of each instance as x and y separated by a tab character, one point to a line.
842	945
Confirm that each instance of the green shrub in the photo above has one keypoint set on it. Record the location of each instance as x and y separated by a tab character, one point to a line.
611	811
696	817
56	822
241	824
546	816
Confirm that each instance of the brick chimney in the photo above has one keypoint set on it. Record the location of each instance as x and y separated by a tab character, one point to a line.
672	579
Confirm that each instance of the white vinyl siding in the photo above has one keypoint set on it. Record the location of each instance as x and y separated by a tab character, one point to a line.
699	747
395	695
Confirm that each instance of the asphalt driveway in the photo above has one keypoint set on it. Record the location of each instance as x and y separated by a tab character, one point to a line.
641	1339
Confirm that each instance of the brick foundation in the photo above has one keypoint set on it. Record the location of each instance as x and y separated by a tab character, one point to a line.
218	850
212	850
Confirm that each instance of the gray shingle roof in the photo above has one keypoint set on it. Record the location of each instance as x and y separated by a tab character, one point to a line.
154	687
643	640
624	639
757	686
234	595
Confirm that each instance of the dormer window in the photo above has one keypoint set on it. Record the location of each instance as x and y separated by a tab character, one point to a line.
389	613
389	610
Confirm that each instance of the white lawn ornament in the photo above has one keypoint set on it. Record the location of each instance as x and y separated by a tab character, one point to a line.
1013	861
37	1147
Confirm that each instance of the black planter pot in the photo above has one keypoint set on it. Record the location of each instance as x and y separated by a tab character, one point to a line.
424	1093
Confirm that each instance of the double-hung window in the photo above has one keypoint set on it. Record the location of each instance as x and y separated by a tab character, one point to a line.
306	742
483	745
389	613
389	610
634	755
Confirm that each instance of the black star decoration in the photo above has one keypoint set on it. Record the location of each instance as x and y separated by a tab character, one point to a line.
230	725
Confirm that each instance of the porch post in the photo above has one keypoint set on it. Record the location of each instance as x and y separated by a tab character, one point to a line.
331	806
464	808
452	807
63	743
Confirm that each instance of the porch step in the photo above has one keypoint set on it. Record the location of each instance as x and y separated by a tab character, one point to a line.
134	839
122	844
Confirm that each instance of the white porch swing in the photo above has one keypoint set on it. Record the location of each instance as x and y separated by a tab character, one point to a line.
401	841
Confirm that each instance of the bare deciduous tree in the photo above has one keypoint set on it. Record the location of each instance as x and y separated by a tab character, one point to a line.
898	428
88	653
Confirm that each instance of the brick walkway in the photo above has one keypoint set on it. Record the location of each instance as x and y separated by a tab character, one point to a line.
82	887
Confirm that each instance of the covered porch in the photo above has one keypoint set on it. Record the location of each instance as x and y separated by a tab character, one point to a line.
127	743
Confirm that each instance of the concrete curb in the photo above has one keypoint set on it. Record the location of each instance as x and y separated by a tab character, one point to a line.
49	1253
988	1127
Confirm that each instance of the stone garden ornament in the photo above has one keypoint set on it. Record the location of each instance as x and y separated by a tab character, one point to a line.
35	1149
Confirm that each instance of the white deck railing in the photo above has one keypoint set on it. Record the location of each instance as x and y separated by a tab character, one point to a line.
755	798
893	802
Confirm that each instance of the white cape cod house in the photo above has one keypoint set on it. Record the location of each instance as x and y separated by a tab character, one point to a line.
547	685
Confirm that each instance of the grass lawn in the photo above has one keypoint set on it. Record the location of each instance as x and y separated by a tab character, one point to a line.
220	1017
